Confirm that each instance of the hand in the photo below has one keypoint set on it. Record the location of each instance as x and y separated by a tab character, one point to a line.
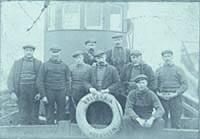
140	121
67	98
148	123
37	97
164	96
94	64
13	96
105	91
45	100
93	90
172	95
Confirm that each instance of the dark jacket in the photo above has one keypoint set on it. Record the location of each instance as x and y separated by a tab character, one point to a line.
144	69
89	59
110	80
123	61
14	75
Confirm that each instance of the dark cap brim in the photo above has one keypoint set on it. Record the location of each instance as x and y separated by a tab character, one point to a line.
116	37
32	47
167	52
90	42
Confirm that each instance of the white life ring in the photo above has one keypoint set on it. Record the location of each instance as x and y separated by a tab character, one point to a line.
83	124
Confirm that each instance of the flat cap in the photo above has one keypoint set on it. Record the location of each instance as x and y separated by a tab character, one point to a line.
167	52
55	49
29	46
90	41
99	53
77	53
135	53
117	36
140	77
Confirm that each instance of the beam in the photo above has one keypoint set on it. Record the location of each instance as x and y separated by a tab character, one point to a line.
109	0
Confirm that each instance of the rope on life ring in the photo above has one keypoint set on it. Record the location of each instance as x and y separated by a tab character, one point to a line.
88	129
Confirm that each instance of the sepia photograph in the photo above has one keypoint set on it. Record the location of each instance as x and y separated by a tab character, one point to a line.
99	69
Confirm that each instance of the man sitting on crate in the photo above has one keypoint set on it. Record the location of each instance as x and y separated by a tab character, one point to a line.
139	108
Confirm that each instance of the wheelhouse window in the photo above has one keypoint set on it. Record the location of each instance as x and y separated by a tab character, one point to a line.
84	16
115	18
52	17
93	16
71	16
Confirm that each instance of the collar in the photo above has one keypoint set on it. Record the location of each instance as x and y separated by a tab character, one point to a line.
170	64
55	61
142	92
138	64
28	59
102	66
118	46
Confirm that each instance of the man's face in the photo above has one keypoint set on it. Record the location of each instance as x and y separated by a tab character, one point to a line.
79	59
101	60
28	52
142	85
136	59
118	41
91	46
167	58
55	55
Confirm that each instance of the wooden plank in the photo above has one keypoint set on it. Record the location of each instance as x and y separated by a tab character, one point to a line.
60	131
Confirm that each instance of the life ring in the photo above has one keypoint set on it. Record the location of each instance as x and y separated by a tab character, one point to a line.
88	129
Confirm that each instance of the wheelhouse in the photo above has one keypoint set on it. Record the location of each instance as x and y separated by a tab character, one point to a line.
69	24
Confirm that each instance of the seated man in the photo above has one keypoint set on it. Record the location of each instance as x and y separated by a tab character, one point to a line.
139	108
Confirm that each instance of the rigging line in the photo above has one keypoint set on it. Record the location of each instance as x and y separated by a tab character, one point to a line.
24	10
46	4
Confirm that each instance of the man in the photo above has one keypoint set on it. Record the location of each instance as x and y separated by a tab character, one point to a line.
104	79
22	86
90	46
133	69
172	84
54	85
119	55
80	76
139	108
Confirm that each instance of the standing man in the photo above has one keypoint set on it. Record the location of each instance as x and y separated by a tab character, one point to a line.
172	84
104	79
133	69
90	46
80	76
119	55
139	108
54	85
22	86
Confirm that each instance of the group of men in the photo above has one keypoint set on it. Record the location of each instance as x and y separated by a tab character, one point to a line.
146	97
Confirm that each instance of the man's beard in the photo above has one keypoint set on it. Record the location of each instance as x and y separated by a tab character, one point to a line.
91	51
119	55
